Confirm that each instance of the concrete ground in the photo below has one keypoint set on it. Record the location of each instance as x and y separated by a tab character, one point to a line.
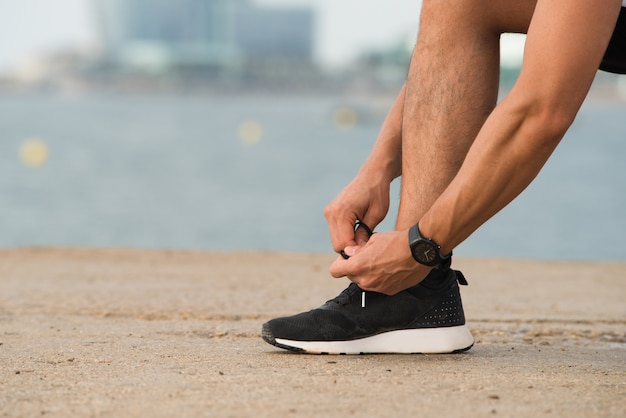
136	333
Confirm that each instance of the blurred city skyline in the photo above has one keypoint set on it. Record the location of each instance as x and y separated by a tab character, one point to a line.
274	44
343	30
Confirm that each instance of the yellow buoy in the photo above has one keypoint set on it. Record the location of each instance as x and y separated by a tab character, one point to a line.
34	152
250	132
345	118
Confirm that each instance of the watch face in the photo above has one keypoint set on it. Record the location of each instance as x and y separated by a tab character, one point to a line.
425	253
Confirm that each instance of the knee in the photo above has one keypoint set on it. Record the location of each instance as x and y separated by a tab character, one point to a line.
485	16
454	20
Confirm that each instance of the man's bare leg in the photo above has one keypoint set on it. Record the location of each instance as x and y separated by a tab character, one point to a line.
451	88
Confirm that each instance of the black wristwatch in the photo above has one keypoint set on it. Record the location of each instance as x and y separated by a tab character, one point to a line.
425	250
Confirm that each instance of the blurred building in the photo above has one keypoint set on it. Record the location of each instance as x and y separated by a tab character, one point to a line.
274	33
209	37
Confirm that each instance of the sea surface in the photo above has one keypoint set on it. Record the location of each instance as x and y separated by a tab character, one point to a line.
255	172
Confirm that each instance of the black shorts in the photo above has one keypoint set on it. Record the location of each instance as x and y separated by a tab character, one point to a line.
614	60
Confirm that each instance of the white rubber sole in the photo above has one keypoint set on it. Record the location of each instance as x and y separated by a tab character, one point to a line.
406	341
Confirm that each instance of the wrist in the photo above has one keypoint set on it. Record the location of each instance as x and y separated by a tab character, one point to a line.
426	251
380	169
436	232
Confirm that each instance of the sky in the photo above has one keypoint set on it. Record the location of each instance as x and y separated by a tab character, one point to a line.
28	27
344	27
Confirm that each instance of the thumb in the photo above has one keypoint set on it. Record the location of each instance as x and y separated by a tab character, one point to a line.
339	268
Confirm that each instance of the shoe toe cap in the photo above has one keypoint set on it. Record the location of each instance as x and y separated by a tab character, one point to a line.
316	325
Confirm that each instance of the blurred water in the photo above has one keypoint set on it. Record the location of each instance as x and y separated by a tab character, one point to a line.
173	172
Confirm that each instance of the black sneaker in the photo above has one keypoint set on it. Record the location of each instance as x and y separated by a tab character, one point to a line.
426	318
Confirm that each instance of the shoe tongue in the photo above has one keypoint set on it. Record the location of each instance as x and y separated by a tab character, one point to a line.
346	295
435	280
354	288
351	290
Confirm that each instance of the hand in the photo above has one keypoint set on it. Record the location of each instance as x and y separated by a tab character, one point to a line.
384	264
365	199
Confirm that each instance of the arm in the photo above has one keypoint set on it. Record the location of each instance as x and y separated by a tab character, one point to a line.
561	59
565	43
366	198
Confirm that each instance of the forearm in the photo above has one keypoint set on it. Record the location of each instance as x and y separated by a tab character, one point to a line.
385	159
525	128
507	155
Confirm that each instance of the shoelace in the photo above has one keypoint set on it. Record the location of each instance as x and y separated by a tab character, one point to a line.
347	296
357	225
368	230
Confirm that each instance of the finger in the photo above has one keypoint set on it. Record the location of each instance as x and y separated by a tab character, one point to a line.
342	267
339	268
362	233
349	251
342	235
